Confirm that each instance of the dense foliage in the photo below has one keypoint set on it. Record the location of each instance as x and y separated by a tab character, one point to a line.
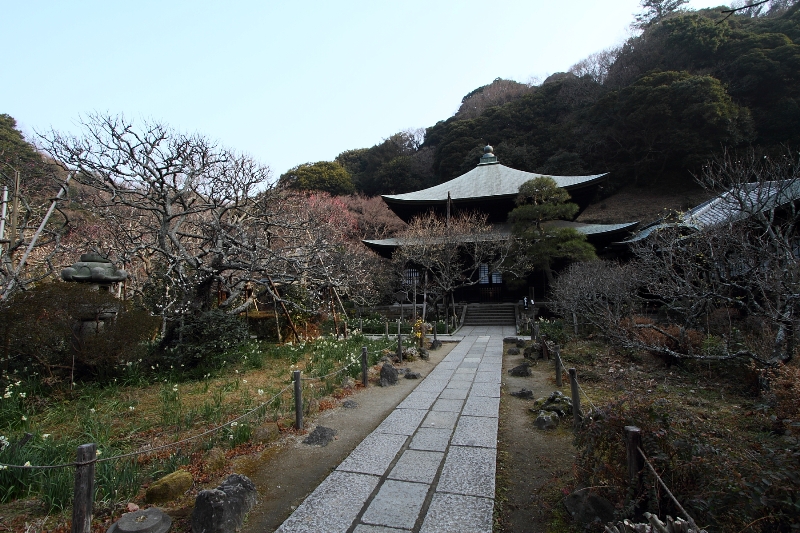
653	109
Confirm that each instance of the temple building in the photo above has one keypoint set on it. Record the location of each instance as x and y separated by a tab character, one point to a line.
491	188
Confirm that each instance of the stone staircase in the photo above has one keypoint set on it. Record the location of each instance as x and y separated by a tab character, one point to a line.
490	315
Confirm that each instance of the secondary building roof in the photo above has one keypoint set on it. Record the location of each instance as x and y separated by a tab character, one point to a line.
730	206
598	234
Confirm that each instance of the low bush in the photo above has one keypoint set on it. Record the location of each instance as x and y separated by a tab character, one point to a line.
202	342
725	480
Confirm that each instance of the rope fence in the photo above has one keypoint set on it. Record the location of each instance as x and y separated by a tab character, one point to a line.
637	460
86	457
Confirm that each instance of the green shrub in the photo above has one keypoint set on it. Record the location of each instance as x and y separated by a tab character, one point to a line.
205	341
41	334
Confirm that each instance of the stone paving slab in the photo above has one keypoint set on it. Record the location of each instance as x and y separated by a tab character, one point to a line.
418	400
449	513
364	528
397	504
490	376
333	506
374	454
469	377
435	385
433	439
440	419
492	390
466	370
476	431
417	465
468	471
453	394
481	406
447	404
460	383
402	421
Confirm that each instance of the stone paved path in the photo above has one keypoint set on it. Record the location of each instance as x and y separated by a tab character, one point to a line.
430	466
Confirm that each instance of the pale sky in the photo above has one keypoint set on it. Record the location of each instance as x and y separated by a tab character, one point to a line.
289	82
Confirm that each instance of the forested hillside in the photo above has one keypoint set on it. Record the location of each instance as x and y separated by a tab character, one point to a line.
651	111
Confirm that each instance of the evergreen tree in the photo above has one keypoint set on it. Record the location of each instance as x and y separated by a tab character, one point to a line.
540	201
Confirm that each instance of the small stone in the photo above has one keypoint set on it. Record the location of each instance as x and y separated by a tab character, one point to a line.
152	520
321	436
436	344
169	487
222	510
348	383
546	420
215	459
523	393
521	371
266	433
388	375
349	404
513	351
412	375
587	507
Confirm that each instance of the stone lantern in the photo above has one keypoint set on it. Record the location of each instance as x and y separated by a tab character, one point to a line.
100	273
95	269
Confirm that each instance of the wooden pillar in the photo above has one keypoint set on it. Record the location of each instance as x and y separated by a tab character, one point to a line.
83	500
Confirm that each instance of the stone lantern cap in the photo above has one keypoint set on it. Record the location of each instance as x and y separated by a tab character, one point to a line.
93	268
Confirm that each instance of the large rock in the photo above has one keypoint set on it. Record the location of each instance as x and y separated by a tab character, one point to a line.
152	520
169	487
546	420
556	403
222	510
586	507
513	351
522	370
388	375
525	394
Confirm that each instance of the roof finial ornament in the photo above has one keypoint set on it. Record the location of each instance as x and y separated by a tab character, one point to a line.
488	156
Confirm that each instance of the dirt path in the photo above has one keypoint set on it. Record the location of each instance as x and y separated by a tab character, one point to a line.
285	474
532	464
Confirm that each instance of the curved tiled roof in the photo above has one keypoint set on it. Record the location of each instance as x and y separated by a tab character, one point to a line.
486	180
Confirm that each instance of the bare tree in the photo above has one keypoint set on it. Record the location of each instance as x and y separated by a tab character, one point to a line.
603	293
596	65
498	92
174	202
452	253
34	232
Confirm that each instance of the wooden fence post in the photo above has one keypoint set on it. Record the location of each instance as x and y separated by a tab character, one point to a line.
557	351
361	325
364	365
633	441
400	347
576	397
536	331
83	499
386	334
298	401
575	324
